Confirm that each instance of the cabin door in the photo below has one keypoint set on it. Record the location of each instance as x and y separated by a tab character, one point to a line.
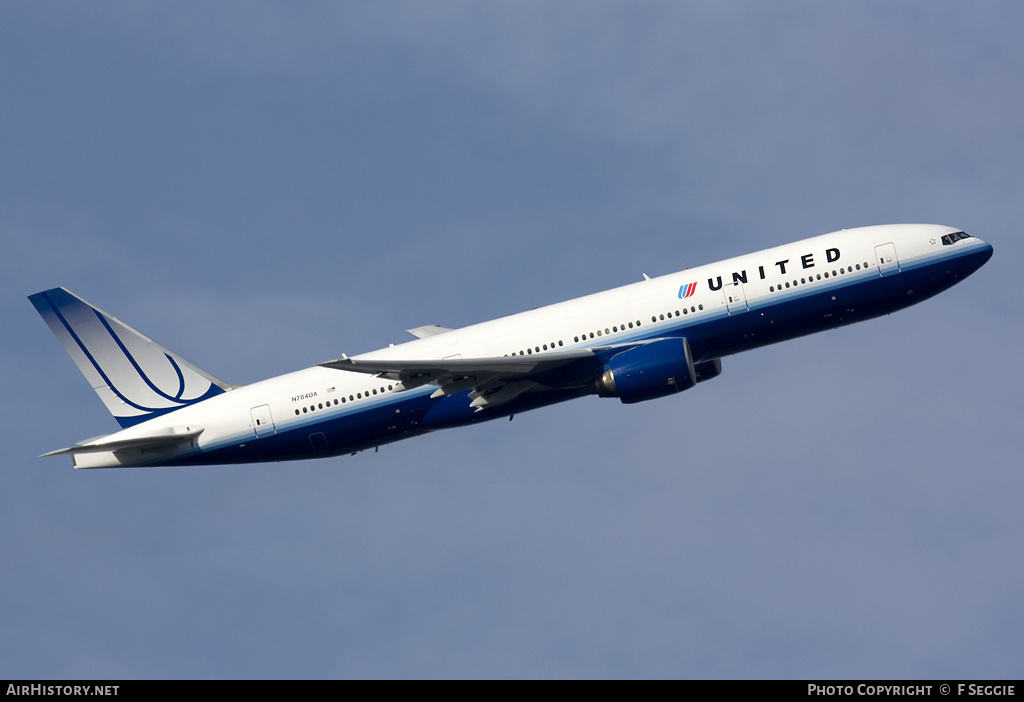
735	298
262	422
885	256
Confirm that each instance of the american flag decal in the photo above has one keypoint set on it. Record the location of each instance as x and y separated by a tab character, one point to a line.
687	290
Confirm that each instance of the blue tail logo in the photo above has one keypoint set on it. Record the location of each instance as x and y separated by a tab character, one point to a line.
136	378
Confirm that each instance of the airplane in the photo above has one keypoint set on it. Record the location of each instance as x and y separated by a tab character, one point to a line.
647	340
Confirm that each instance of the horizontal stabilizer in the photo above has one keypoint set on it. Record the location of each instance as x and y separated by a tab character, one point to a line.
428	331
166	439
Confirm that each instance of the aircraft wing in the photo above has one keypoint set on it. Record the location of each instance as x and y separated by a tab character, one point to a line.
494	380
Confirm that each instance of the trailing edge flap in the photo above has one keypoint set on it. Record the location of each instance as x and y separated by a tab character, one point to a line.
443	371
488	377
428	331
167	439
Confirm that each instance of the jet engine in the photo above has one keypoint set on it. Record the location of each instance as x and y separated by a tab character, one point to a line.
655	369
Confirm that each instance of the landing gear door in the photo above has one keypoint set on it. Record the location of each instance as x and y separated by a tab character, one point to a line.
262	422
885	256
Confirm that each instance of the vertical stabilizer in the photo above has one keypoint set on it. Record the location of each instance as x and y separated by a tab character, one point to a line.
136	378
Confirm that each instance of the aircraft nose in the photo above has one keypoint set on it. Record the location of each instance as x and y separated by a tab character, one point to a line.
983	254
987	252
978	257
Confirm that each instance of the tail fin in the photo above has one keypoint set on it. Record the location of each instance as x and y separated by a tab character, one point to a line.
136	378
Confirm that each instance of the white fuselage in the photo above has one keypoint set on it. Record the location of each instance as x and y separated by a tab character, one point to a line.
721	308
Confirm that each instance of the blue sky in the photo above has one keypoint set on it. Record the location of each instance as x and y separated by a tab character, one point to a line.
263	186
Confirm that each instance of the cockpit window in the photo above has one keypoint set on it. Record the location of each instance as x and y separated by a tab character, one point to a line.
951	239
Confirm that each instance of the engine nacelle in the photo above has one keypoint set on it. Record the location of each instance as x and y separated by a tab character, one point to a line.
706	370
655	369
